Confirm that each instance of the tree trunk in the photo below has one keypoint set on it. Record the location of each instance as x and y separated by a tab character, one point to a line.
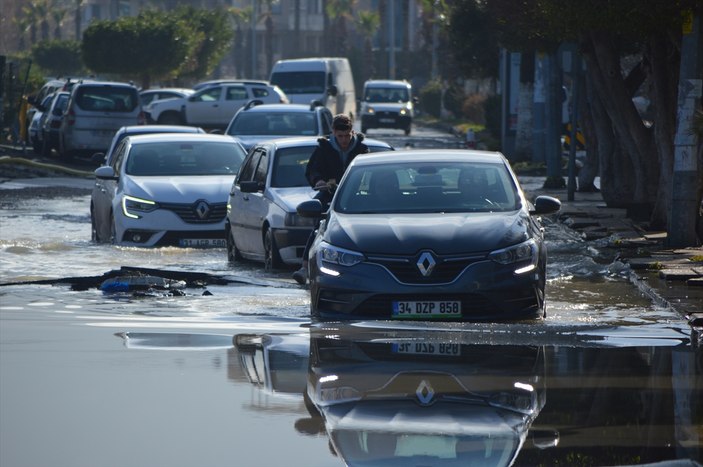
635	143
591	166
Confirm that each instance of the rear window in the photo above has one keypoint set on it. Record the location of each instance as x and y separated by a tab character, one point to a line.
274	123
107	98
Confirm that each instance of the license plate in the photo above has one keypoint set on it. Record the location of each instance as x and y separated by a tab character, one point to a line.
427	348
202	242
386	120
427	309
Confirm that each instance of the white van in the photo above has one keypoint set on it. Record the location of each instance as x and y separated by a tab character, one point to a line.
328	80
387	104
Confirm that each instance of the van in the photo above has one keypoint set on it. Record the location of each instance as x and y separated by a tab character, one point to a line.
328	80
95	111
387	104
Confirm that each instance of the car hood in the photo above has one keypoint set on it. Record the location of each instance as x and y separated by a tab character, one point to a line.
181	189
442	233
290	198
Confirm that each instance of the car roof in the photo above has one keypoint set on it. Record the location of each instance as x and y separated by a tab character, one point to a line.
429	155
149	129
152	90
387	83
279	108
185	137
297	141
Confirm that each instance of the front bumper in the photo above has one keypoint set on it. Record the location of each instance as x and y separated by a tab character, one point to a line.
291	244
486	290
386	120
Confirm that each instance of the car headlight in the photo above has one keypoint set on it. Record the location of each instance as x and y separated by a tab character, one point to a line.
525	252
332	254
370	110
294	220
131	206
403	111
522	400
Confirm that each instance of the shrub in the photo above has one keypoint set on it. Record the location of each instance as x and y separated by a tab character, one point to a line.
430	98
473	108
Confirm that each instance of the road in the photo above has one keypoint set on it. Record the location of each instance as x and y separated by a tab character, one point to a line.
213	375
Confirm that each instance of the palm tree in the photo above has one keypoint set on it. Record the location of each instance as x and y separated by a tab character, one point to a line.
268	23
340	11
367	23
241	18
58	14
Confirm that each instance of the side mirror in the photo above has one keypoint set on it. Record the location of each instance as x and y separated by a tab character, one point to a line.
310	208
249	186
105	173
332	90
546	205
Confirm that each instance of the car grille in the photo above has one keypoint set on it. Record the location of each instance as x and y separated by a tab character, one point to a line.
386	114
199	212
405	269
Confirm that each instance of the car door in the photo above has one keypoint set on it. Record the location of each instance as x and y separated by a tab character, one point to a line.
203	108
104	194
242	227
233	98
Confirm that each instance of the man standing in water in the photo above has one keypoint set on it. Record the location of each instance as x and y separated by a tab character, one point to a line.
325	168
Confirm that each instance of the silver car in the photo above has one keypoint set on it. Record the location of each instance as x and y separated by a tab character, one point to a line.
261	223
95	112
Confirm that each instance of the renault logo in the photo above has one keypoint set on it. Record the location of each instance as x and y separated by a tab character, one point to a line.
202	209
426	263
424	393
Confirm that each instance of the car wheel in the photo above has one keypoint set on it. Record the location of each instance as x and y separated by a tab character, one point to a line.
233	253
407	130
272	260
93	228
364	129
170	118
113	230
45	148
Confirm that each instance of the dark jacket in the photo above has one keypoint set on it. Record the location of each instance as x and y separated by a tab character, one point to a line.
326	162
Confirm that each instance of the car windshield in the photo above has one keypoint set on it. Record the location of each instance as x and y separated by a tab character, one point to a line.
427	187
274	123
289	167
184	158
300	82
387	95
107	98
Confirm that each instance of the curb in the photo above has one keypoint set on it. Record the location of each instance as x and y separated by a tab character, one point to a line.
43	165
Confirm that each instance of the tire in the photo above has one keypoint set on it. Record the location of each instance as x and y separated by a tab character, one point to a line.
94	237
233	253
407	130
272	259
45	148
113	231
170	118
364	129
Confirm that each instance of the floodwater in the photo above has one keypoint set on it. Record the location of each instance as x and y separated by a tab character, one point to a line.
236	374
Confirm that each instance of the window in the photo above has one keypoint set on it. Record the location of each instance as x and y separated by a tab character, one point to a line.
247	172
262	168
208	95
236	93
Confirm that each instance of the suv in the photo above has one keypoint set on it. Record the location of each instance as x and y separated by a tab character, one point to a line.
387	104
94	113
259	122
214	105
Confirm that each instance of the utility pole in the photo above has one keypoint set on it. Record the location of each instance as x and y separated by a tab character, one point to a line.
681	230
435	40
254	74
391	41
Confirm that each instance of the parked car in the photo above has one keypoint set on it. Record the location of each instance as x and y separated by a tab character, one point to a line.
105	158
156	94
261	223
429	234
213	106
257	122
387	104
96	110
166	189
50	122
35	124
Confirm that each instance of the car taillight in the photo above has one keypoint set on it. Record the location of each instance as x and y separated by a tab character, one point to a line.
141	118
71	117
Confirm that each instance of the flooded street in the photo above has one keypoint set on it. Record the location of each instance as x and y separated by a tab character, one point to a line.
236	373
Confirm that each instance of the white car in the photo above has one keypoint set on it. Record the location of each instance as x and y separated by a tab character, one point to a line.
157	94
262	224
213	106
166	189
387	104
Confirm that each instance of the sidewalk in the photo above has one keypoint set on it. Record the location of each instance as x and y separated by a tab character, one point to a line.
672	278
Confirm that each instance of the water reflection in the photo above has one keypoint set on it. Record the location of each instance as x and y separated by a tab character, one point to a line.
472	396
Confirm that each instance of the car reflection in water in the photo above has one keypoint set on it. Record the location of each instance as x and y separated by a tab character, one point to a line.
417	398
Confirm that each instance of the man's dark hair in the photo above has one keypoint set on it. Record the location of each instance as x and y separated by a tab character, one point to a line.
341	122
